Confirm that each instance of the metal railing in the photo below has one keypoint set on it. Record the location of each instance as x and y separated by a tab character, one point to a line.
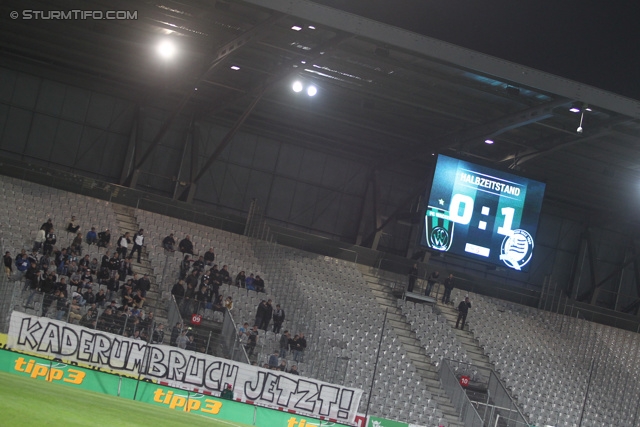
458	396
503	405
230	340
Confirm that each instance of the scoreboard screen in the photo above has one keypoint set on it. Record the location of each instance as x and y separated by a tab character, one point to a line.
482	213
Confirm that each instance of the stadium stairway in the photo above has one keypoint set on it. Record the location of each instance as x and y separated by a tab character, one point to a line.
429	373
469	342
127	222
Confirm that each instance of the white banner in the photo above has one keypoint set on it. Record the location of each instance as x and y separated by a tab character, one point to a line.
181	368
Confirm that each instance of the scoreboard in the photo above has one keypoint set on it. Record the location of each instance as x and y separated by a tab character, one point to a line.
482	213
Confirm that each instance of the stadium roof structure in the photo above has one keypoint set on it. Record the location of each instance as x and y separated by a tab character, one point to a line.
387	97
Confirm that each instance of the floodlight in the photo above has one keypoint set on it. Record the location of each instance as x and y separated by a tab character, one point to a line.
166	49
297	86
312	90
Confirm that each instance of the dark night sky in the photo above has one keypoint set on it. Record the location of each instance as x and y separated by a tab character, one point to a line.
593	42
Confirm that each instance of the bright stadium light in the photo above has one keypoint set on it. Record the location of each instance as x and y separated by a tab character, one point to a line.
312	90
166	49
297	86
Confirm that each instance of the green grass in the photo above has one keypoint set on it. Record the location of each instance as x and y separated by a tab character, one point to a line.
26	402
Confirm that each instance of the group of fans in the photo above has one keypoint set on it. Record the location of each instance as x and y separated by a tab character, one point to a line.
68	282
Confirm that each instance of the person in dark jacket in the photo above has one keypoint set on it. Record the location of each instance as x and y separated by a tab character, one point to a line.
260	313
104	238
284	344
185	246
8	263
169	243
209	256
413	275
240	278
278	319
175	333
266	316
431	281
463	310
448	287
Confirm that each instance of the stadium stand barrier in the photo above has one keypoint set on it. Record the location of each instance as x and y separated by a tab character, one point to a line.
232	344
450	383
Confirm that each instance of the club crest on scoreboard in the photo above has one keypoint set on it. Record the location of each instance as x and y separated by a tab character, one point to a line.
517	249
438	229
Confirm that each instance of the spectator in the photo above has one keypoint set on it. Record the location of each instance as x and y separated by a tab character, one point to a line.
178	291
284	344
169	243
184	266
253	341
448	287
182	340
76	244
47	226
413	275
32	278
431	281
91	237
105	322
228	303
187	301
185	246
61	305
199	264
41	236
123	245
218	304
294	370
84	262
73	226
463	310
227	393
260	313
209	256
138	242
158	335
258	283
104	238
248	283
101	298
125	268
143	284
93	266
74	310
114	264
273	360
8	263
240	279
22	262
278	319
175	333
89	319
301	345
293	346
225	277
89	296
191	343
49	242
113	285
283	366
244	331
192	279
267	315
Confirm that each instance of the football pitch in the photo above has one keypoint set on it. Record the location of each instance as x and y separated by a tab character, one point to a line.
27	402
